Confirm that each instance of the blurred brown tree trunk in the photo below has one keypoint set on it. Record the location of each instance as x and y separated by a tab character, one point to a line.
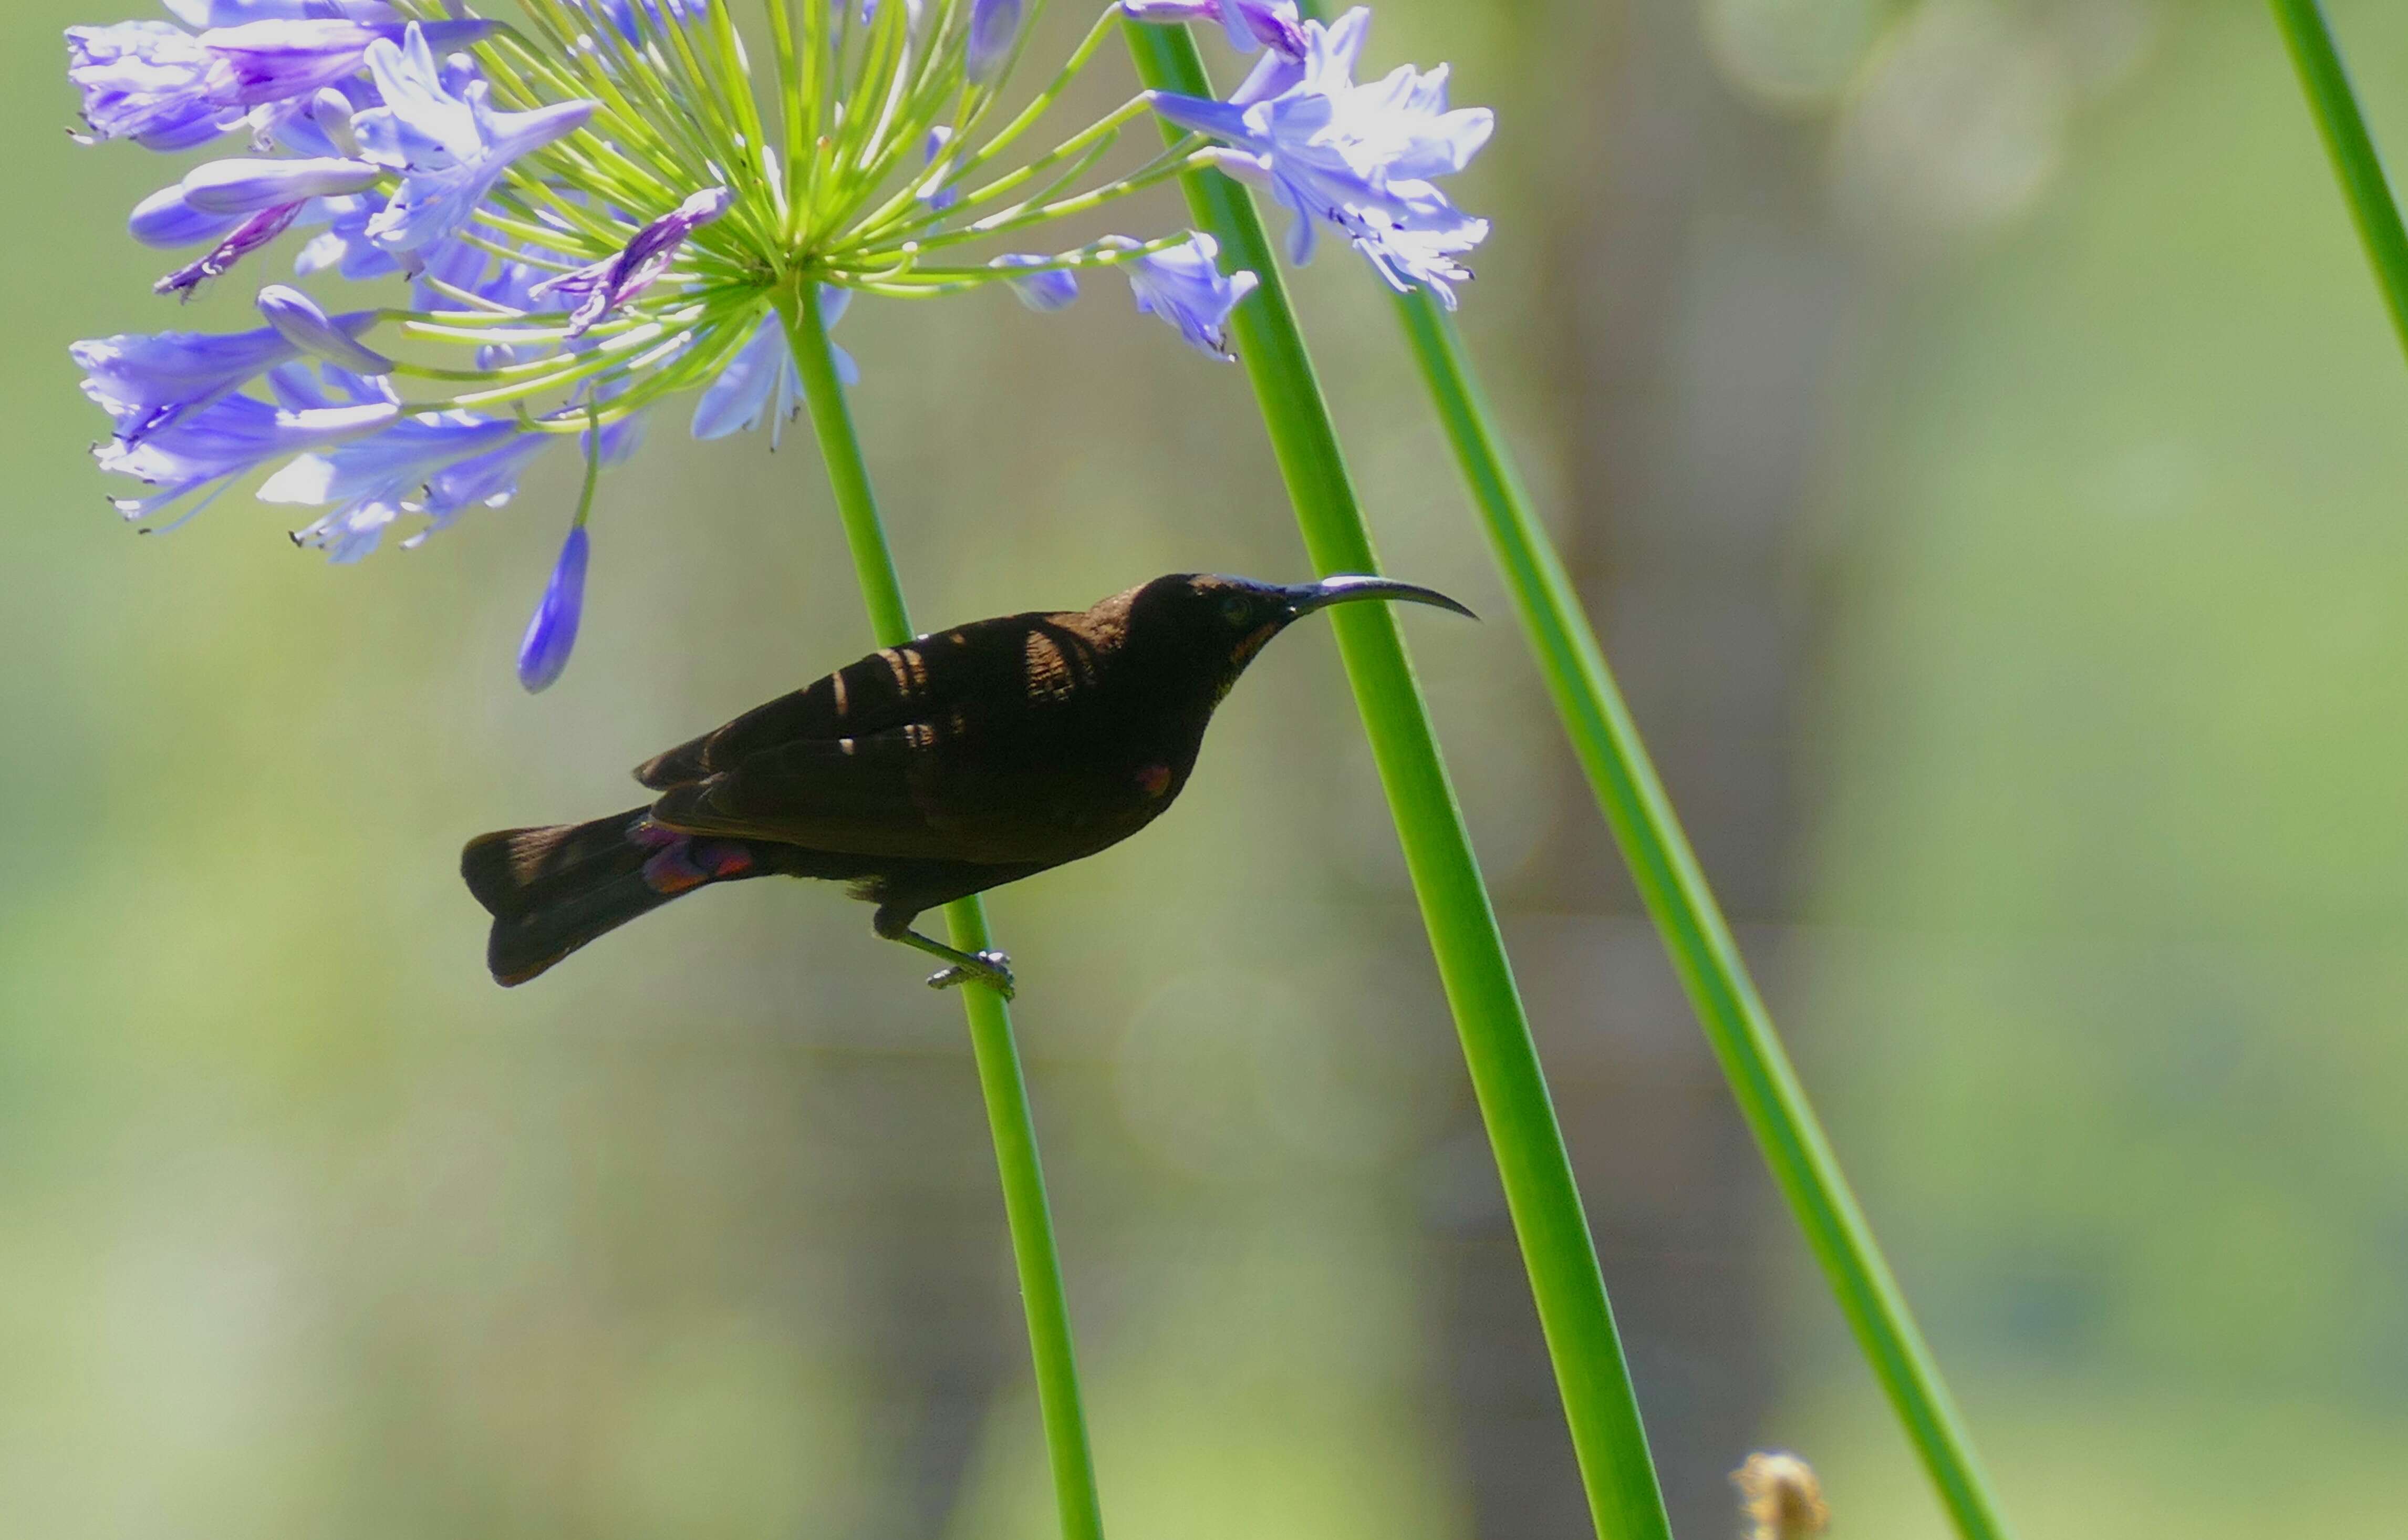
1690	304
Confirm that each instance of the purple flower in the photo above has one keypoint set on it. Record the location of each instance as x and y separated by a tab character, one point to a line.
246	185
994	29
373	481
762	383
602	286
241	204
344	245
462	268
228	438
1249	24
297	318
1050	289
449	147
1360	156
148	383
165	219
274	60
941	192
318	125
660	13
492	478
621	438
393	158
1184	287
551	634
149	82
482	481
247	237
165	88
232	13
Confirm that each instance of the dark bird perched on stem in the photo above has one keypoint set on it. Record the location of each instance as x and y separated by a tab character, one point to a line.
921	774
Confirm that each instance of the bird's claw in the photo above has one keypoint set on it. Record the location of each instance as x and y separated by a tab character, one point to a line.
994	969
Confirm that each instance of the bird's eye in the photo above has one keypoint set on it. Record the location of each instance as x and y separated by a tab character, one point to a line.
1236	611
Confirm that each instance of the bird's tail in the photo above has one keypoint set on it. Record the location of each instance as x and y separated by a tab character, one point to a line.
551	890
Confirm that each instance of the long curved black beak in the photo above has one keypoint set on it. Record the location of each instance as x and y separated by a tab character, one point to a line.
1305	598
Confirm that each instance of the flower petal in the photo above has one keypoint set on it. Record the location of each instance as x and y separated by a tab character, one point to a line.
300	322
1051	289
551	632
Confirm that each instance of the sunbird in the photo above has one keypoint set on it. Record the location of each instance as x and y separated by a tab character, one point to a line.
920	774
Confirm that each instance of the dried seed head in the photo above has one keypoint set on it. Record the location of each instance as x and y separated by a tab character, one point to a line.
1780	1497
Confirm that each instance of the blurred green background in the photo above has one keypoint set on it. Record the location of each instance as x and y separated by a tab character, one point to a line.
1977	434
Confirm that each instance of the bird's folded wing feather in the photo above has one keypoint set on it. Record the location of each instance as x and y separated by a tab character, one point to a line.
923	681
852	796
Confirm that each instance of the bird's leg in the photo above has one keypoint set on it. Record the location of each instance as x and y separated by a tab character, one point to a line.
992	968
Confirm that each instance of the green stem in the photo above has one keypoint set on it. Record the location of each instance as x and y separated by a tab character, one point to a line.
1536	1173
1694	933
1673	887
1000	1080
2354	156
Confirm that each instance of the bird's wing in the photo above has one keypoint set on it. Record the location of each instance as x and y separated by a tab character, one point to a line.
855	796
898	687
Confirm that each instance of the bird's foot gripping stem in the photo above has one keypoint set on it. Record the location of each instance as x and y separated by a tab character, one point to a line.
992	968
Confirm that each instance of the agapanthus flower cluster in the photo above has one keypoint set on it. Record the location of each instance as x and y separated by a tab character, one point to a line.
607	203
1359	157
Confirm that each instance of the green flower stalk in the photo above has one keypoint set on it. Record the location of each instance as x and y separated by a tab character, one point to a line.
1628	791
1541	1193
1611	755
1699	939
2355	161
1031	1221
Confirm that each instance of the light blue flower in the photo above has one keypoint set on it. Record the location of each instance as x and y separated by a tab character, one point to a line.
244	238
603	286
318	125
1184	286
206	450
299	320
622	14
375	480
940	192
344	247
149	82
165	219
566	277
148	383
1359	156
233	13
276	60
995	32
241	203
168	89
763	385
1249	24
551	633
489	480
246	185
1048	289
450	148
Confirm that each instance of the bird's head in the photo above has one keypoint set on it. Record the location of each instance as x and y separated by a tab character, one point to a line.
1220	622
